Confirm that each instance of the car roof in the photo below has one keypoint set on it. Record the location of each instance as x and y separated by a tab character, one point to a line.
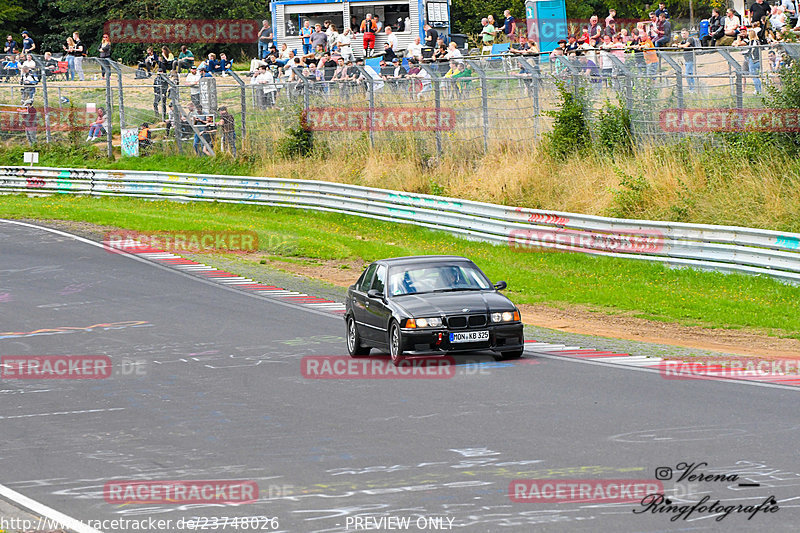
419	259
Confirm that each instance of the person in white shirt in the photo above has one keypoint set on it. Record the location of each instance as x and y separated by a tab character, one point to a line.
345	48
731	25
777	19
415	48
453	53
266	82
29	62
192	80
391	38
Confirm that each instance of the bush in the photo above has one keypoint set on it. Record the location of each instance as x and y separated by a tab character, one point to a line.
613	129
629	200
299	140
570	129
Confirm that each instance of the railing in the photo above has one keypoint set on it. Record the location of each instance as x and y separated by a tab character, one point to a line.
720	248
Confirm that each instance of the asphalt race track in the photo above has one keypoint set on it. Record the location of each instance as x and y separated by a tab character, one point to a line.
207	384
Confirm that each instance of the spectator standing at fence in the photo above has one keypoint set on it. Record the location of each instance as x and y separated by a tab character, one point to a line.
664	31
319	38
345	45
185	59
368	28
662	8
731	28
305	34
650	56
28	114
759	14
160	87
752	55
104	53
192	80
227	126
509	26
10	46
689	43
487	32
69	48
266	83
78	52
264	39
28	46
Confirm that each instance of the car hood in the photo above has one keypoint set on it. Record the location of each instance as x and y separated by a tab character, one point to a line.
449	303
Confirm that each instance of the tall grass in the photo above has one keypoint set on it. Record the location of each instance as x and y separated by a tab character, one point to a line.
688	182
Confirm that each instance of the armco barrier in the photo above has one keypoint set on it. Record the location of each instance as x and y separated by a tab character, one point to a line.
722	248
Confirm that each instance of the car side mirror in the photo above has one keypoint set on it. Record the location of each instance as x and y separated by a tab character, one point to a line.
500	285
375	293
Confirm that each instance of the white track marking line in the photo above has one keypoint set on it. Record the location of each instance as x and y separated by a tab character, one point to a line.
47	512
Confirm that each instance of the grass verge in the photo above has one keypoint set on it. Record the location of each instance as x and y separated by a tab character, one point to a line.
606	285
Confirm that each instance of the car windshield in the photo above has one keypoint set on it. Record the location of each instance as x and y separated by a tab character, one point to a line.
436	278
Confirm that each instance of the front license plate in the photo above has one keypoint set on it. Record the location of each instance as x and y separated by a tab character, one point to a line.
469	336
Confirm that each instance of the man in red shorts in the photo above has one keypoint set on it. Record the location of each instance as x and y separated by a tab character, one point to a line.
368	28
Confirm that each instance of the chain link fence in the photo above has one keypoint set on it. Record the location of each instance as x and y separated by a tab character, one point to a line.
472	104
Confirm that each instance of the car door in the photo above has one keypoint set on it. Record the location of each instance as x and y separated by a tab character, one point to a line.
377	313
359	301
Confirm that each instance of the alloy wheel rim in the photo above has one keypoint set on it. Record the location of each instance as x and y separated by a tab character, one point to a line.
351	334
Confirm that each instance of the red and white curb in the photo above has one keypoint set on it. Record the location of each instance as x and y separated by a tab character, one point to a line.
664	366
226	278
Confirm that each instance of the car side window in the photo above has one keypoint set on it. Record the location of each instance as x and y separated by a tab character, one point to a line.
368	275
380	279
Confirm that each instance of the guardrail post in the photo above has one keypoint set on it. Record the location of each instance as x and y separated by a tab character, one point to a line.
109	116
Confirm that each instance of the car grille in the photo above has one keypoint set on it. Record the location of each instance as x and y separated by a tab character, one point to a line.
473	321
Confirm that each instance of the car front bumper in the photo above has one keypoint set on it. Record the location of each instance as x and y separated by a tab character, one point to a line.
502	337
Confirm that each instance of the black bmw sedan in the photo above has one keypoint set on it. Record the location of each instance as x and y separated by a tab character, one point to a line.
429	304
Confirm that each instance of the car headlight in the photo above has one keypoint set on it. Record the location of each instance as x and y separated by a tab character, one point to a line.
432	322
507	316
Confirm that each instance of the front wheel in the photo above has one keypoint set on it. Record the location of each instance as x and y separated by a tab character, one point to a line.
395	344
354	340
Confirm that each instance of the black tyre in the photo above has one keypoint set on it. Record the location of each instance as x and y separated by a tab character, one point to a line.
354	340
396	344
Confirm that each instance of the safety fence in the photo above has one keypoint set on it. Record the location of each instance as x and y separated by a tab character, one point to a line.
474	102
720	248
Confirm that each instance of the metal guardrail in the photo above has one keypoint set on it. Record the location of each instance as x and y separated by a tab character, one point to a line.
721	248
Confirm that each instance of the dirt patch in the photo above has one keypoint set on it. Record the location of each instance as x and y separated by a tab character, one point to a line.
575	320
